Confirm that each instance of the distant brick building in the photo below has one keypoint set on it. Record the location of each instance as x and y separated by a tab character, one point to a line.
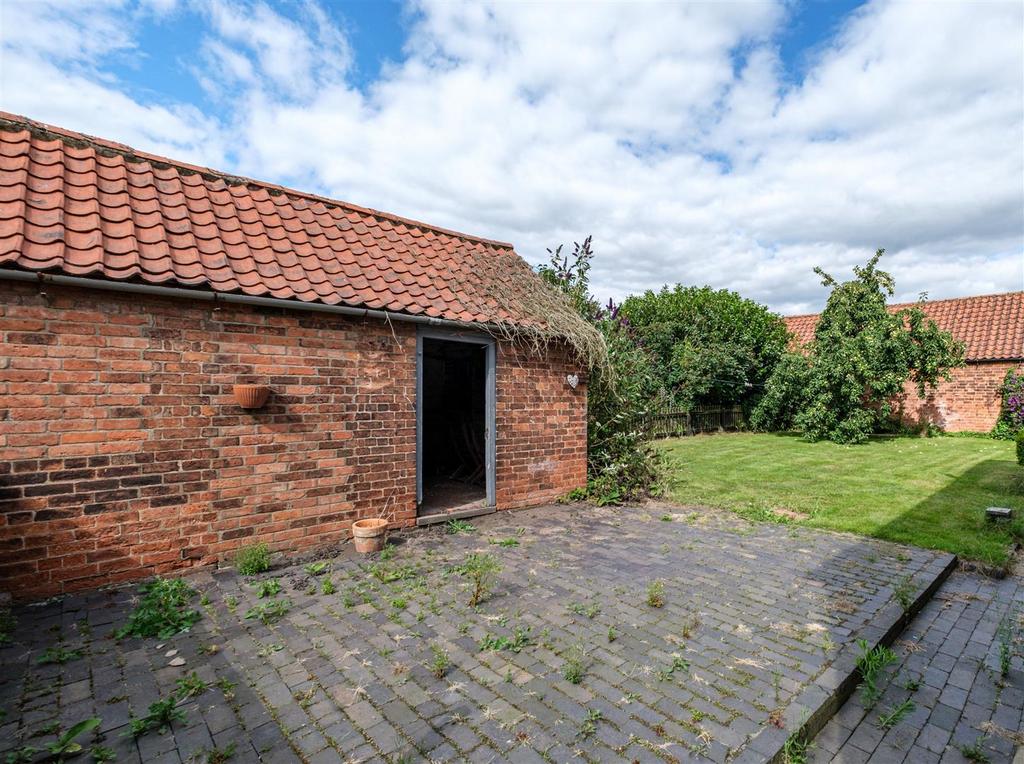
136	292
992	330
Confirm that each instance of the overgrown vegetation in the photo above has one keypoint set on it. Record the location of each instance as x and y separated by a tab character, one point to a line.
859	362
710	346
163	610
253	559
621	390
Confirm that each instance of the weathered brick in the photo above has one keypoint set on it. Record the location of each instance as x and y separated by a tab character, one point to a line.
127	430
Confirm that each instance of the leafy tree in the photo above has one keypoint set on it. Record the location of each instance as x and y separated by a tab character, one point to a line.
711	346
620	464
784	394
862	356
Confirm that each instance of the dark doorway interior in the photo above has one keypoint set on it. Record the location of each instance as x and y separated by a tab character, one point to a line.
454	426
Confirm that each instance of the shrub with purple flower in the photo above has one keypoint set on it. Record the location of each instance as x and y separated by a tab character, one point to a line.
1011	419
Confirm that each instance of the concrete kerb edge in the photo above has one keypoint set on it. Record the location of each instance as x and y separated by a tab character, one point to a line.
817	703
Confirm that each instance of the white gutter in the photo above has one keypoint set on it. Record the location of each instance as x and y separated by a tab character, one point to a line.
129	287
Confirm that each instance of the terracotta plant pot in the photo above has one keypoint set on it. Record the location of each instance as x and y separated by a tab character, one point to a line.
369	534
251	396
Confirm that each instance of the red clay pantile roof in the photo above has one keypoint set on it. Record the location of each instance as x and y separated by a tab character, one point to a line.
88	207
991	326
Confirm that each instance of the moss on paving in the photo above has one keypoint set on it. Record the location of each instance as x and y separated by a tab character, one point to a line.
931	492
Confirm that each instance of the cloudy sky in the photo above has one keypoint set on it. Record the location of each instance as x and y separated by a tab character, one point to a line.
733	144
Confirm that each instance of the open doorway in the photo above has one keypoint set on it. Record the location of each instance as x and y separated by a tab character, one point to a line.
454	453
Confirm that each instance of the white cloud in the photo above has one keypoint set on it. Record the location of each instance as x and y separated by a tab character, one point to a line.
541	123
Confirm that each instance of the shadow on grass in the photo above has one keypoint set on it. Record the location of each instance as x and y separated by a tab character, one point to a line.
953	518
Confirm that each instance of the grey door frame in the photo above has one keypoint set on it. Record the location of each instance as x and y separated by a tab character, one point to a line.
490	402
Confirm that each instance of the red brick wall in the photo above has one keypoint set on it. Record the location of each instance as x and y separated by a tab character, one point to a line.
541	428
124	454
970	401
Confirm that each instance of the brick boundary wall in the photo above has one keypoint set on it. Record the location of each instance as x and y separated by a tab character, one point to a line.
124	453
969	402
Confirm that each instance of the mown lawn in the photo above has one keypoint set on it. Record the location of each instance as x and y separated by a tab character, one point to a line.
931	492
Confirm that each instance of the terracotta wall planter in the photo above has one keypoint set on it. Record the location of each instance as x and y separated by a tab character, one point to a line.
251	396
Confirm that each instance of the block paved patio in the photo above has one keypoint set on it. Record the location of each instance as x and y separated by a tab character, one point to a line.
757	627
948	666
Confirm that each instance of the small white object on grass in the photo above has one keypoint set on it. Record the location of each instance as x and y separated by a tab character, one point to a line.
999	513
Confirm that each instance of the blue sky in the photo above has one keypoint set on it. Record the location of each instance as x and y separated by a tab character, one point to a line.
735	144
378	29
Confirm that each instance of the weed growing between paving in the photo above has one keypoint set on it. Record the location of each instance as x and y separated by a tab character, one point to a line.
795	749
270	611
575	665
317	568
160	715
896	714
482	571
504	542
66	744
164	712
520	638
459	526
162	611
589	726
190	686
101	754
253	559
590	611
268	588
871	663
679	664
656	593
904	593
1005	635
976	751
59	655
440	663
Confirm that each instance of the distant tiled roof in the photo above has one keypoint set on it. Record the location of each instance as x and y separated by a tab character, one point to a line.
88	207
991	326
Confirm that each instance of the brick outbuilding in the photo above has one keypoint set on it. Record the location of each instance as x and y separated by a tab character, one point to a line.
136	292
992	330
